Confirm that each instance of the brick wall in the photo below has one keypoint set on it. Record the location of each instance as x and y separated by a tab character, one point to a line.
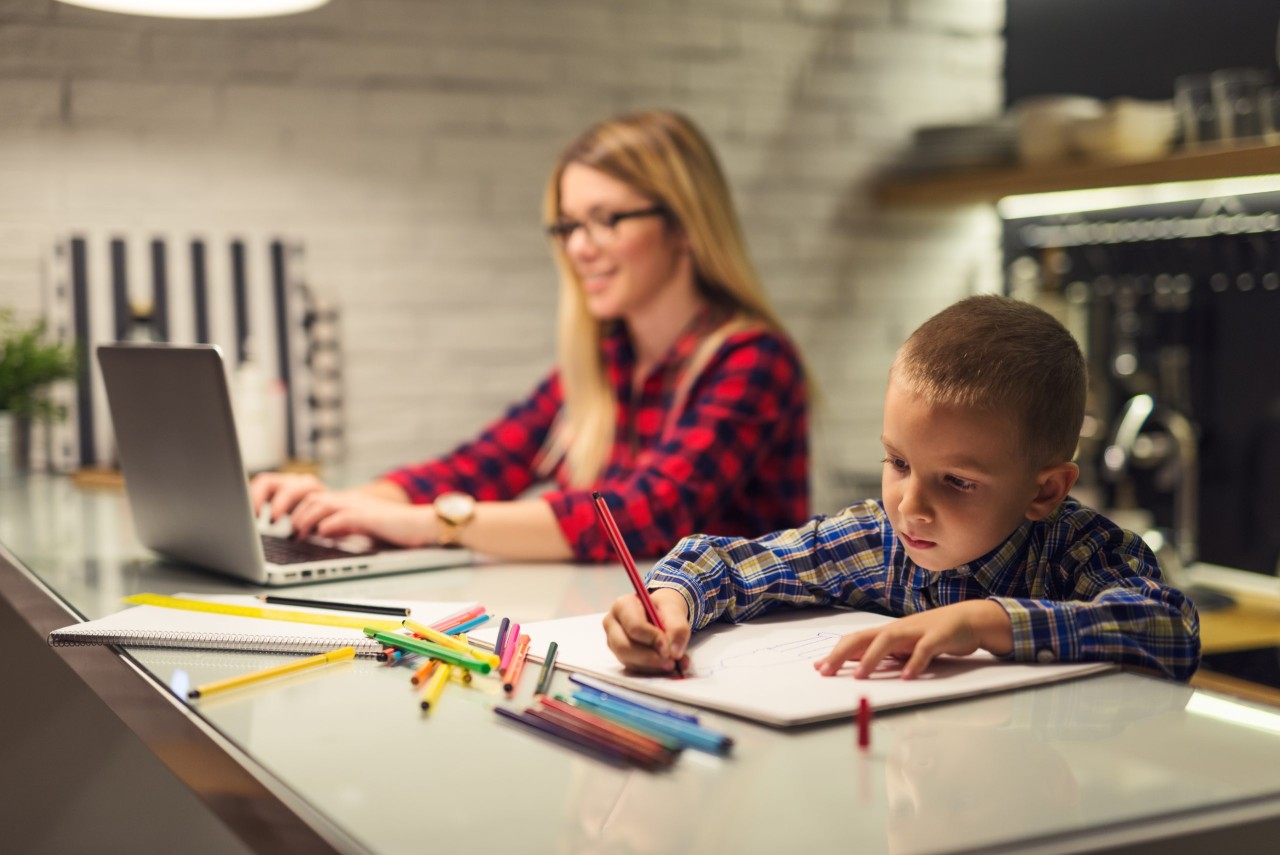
406	142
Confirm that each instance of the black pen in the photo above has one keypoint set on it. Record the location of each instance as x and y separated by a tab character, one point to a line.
548	669
398	611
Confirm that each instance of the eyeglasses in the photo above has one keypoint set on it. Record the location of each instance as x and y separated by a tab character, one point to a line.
601	228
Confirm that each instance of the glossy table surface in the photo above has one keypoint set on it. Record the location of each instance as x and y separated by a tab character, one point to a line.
1104	760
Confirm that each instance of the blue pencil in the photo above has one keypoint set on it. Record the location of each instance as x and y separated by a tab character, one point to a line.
692	735
468	626
629	698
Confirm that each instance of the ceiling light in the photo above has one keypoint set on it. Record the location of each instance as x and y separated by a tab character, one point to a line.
202	8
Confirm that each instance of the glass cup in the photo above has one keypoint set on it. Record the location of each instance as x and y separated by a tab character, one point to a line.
1236	96
1197	113
1269	112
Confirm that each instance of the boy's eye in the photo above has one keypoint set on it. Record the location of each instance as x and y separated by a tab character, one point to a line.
961	483
896	462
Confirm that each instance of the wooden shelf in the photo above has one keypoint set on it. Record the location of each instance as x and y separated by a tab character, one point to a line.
989	184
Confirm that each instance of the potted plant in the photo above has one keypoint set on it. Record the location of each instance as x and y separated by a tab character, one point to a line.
28	364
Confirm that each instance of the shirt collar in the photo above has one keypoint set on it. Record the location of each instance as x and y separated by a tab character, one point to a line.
620	355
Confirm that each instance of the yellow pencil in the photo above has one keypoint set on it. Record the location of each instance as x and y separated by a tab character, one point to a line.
435	686
445	640
274	671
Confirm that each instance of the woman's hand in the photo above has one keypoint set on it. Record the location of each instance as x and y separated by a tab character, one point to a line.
338	513
958	629
281	491
640	645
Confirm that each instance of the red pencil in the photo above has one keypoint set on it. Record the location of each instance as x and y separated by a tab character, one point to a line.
864	723
620	547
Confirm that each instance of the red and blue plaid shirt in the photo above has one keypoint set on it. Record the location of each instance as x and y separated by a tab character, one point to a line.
734	462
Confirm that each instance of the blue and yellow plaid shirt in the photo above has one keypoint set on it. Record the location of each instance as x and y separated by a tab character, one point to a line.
1077	587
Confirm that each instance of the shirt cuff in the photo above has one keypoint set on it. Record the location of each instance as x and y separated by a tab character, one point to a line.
688	588
1042	632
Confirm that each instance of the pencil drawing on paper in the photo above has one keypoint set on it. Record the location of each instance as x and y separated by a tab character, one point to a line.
803	649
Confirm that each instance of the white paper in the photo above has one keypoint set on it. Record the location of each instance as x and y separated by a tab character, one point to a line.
763	670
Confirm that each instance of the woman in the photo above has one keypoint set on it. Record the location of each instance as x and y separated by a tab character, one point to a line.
677	395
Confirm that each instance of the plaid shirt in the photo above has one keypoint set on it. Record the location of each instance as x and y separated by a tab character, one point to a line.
736	461
1077	587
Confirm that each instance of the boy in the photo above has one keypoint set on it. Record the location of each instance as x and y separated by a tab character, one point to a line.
975	543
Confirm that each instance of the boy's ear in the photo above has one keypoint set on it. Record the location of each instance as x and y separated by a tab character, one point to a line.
1053	483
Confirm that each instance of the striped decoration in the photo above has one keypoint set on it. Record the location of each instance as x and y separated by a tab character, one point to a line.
247	295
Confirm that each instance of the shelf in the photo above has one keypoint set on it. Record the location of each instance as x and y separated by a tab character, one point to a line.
991	184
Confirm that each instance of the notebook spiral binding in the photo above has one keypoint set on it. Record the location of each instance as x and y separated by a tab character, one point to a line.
365	648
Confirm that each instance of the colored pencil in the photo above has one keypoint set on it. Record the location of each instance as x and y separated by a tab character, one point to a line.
449	641
692	735
510	648
340	655
624	696
466	626
564	735
272	599
431	694
429	648
864	723
620	546
424	672
456	618
548	670
502	635
511	677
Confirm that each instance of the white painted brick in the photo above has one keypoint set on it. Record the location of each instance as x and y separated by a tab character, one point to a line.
276	106
965	16
420	110
36	11
142	104
30	102
341	60
35	48
849	11
674	27
514	67
221	55
436	21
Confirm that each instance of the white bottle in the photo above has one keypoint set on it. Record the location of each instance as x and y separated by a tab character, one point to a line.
260	418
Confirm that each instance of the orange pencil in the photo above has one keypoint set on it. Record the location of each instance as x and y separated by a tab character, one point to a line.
420	676
512	678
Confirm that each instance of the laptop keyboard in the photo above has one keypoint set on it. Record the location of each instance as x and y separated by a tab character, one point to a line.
283	550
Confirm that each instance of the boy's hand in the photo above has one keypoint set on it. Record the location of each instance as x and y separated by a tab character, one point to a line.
640	645
958	629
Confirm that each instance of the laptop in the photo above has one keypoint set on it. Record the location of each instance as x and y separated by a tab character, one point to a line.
176	437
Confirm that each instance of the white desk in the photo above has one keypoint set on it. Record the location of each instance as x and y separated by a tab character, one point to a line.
345	760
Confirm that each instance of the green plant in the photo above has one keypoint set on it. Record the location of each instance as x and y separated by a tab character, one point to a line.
28	364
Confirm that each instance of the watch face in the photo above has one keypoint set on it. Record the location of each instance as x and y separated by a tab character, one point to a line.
455	507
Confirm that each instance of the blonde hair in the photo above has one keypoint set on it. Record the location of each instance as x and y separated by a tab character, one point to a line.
1003	356
662	155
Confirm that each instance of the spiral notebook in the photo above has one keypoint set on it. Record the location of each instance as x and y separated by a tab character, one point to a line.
154	626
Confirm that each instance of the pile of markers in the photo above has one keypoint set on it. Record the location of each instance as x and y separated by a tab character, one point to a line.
444	648
618	725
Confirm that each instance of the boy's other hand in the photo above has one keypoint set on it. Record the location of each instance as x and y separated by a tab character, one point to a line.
641	646
958	629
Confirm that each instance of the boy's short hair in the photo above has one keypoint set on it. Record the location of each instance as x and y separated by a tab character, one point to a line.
1005	356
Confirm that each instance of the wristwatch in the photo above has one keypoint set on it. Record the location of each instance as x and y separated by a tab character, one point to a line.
454	510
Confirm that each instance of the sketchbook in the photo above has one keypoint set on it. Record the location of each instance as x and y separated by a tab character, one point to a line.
763	670
155	626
